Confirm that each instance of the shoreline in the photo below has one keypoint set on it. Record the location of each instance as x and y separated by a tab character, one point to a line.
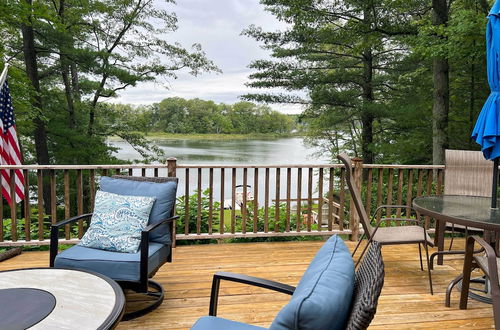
213	137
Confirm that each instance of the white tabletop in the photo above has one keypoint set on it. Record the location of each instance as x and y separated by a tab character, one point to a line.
83	300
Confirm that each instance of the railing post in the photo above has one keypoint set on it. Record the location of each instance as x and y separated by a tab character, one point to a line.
171	166
353	214
172	173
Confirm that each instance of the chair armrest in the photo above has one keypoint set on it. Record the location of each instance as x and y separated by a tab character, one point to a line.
145	236
70	220
144	247
245	279
153	226
386	206
395	219
54	235
490	255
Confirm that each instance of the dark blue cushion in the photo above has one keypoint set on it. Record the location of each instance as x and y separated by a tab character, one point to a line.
116	265
322	299
217	323
162	208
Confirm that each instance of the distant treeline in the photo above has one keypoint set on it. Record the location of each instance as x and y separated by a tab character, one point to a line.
178	115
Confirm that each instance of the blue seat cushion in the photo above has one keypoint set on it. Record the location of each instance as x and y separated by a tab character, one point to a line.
217	323
116	265
322	299
165	194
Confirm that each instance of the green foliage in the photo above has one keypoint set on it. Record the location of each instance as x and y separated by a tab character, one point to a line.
86	52
178	115
271	223
193	213
20	228
365	72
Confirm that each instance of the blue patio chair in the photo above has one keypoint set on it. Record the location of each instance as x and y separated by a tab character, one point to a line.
131	270
330	295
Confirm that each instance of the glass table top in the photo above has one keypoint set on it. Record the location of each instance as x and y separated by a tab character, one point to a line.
466	210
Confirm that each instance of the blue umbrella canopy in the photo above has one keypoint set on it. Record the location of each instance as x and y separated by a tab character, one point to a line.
487	129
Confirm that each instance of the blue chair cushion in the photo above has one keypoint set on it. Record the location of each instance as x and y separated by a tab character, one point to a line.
217	323
116	265
322	299
162	208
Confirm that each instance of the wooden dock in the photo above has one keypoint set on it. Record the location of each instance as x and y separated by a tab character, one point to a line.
405	302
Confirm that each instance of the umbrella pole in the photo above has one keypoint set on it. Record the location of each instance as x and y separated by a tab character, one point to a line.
495	184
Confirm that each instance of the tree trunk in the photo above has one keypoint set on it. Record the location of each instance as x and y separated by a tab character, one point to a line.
441	91
40	132
367	117
65	74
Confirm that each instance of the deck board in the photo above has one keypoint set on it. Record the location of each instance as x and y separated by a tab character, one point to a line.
404	304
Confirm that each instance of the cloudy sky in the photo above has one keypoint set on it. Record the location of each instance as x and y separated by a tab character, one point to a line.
217	26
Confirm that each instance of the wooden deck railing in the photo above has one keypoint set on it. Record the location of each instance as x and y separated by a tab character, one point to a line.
218	202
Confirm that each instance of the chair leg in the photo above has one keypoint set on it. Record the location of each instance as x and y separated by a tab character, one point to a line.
495	297
428	267
464	295
154	297
449	289
452	237
420	254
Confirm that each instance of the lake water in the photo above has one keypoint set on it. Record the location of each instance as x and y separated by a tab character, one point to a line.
284	151
287	151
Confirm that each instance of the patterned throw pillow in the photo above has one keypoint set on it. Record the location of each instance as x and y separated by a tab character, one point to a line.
117	222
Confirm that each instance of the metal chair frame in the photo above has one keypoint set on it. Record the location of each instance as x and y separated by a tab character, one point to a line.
370	231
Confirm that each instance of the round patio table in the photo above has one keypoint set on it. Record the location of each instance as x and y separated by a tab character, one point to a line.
470	211
55	298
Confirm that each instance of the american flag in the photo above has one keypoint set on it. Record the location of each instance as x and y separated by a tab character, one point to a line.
9	146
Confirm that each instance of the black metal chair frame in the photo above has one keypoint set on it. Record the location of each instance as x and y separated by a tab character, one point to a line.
370	232
368	285
144	283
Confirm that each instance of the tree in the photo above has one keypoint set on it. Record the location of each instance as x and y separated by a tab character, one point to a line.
79	53
441	105
178	115
342	54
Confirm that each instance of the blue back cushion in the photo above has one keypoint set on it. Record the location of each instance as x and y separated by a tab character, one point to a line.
162	207
322	299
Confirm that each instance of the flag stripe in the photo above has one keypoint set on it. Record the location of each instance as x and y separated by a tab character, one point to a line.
9	147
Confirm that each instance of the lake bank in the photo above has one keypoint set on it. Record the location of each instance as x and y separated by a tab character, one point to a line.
211	137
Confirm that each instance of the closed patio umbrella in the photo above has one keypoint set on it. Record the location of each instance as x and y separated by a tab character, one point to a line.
487	129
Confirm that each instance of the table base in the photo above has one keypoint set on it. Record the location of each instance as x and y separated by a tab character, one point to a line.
484	296
481	295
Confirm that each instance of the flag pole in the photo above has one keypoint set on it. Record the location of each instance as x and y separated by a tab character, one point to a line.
3	76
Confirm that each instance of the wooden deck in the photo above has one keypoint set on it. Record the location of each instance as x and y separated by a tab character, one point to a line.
404	304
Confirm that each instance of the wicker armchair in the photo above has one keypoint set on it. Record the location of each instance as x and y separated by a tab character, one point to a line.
368	283
367	287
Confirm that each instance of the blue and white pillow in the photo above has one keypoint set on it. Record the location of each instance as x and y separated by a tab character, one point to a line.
117	222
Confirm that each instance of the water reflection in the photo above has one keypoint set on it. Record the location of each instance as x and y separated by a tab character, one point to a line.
289	151
251	152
